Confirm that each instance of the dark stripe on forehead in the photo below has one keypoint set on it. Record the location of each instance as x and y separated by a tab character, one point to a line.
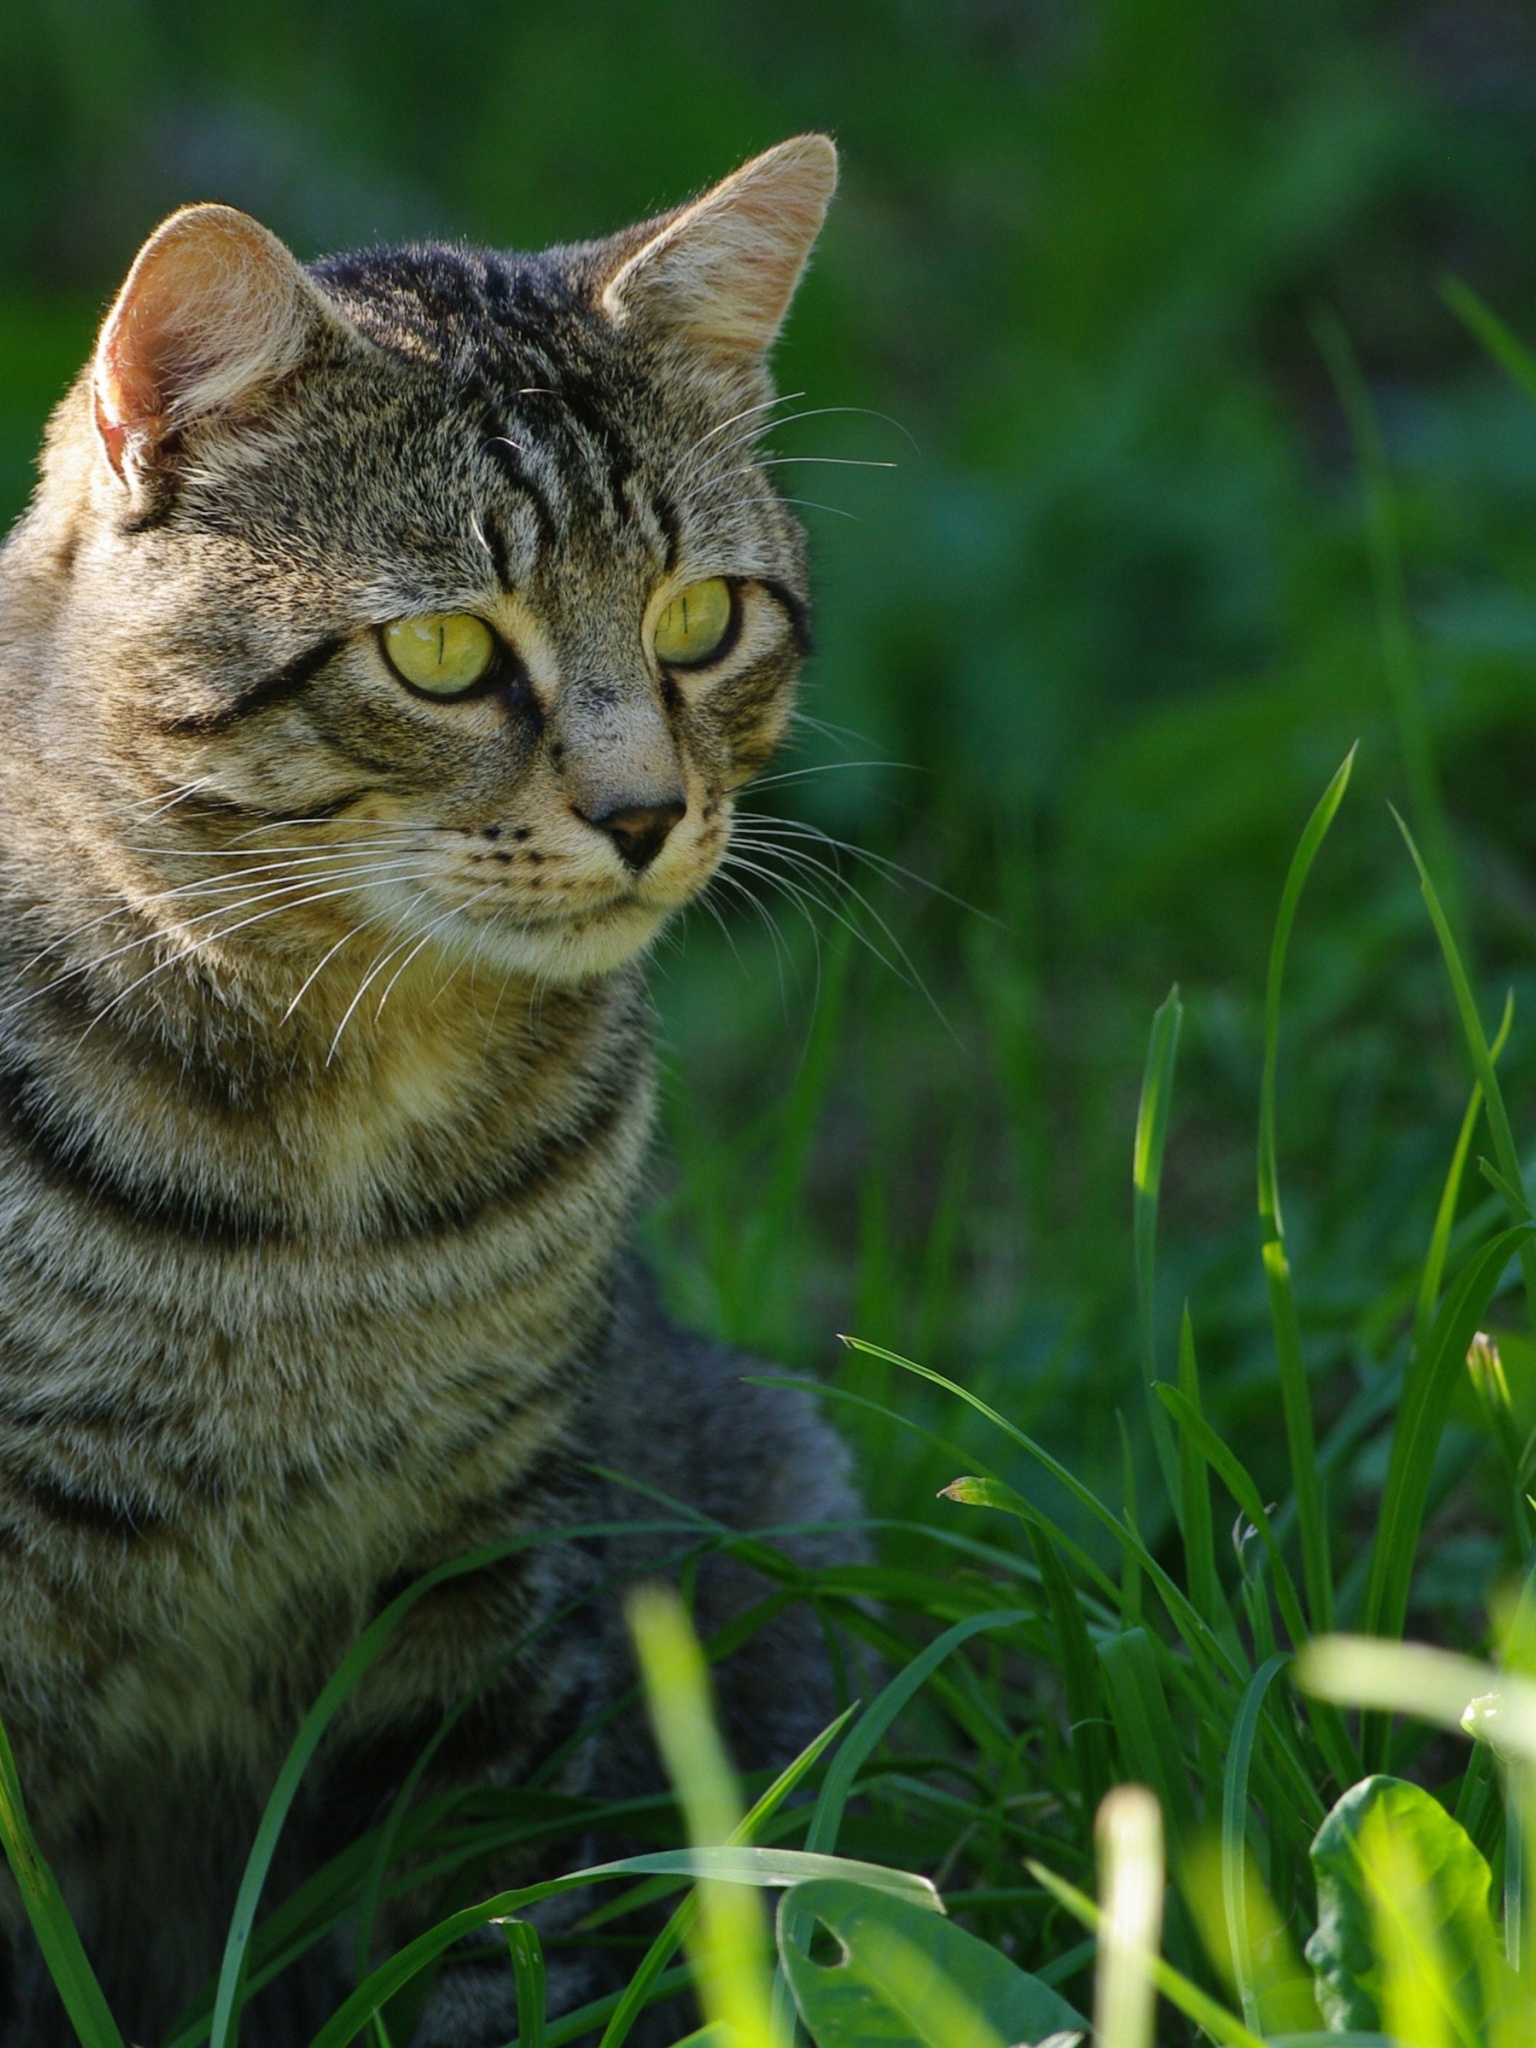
504	455
666	516
288	681
575	409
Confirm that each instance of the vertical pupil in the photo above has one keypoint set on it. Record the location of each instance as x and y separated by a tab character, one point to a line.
442	643
684	603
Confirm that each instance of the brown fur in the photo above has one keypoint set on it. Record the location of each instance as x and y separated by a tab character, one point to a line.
326	1086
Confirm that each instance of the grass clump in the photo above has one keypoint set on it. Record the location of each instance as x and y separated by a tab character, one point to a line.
1074	1693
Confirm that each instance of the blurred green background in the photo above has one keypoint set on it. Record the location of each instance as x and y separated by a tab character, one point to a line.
1105	628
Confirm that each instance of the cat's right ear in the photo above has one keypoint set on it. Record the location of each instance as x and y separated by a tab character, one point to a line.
214	312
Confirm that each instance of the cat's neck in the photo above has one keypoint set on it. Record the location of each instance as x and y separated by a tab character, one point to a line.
375	1094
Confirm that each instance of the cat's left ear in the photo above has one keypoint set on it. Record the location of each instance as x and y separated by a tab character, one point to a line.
214	312
721	272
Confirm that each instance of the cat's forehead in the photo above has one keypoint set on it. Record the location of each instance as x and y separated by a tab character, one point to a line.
507	408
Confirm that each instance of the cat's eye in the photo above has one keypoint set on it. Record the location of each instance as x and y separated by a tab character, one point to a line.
443	653
697	625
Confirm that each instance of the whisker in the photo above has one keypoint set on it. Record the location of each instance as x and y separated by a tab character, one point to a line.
180	957
747	411
337	871
824	768
798	828
184	928
380	964
437	924
907	971
816	412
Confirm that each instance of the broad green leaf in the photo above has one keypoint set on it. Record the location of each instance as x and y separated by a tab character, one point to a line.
906	1976
1377	1829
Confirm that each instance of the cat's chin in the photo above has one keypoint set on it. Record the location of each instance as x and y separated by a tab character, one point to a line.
570	951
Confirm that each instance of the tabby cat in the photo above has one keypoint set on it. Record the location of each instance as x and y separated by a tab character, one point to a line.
379	655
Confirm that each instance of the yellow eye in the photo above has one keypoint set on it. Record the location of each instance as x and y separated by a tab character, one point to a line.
443	653
696	624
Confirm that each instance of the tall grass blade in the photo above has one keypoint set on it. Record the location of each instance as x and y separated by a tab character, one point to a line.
1479	318
1195	1493
859	1743
343	1681
1295	1394
644	1981
1234	1833
730	1944
1400	661
1130	1841
1332	1736
1196	2004
1481	1054
1431	1381
1144	1727
68	1964
1087	1710
527	1956
1197	1633
1146	1181
1428	1296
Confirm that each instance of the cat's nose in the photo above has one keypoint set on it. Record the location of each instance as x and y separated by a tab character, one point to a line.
639	831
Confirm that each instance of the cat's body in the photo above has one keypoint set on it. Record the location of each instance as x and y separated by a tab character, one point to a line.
325	1085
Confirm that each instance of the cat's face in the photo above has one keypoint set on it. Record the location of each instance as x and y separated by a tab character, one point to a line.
438	598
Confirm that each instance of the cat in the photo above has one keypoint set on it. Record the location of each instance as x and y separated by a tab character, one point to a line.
379	657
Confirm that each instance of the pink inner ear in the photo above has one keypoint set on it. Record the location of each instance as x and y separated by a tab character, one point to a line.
213	308
127	395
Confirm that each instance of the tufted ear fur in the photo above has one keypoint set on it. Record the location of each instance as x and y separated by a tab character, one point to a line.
214	312
722	271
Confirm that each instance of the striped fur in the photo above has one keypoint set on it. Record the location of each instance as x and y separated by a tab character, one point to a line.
325	1081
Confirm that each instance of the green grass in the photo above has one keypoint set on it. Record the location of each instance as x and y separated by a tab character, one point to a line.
1216	475
1042	1646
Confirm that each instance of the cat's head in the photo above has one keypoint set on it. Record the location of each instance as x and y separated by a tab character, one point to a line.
430	593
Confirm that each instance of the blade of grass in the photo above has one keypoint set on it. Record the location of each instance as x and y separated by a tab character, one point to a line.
749	1866
343	1681
857	1746
729	1948
1129	1838
1220	2024
1146	1182
1430	1382
1295	1395
1400	662
60	1944
527	1957
1234	1475
1484	324
1130	1569
877	1717
1234	1832
1144	1727
1197	1634
1329	1727
1087	1710
671	1937
1427	1299
1195	1492
1508	1159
